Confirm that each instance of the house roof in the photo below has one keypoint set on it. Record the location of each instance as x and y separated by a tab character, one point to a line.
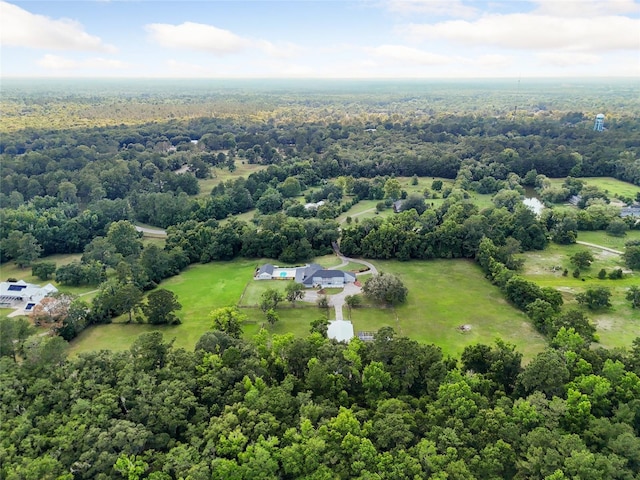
630	211
24	291
266	268
340	330
306	272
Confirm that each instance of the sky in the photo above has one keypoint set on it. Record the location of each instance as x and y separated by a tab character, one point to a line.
392	39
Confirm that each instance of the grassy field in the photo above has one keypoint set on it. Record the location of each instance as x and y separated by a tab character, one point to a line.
254	290
219	175
11	270
611	186
601	238
445	294
616	326
200	289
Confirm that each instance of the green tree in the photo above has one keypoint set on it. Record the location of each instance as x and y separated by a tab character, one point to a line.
385	288
320	325
160	307
602	274
290	187
582	259
270	299
632	256
294	292
130	466
352	301
23	248
43	270
13	333
125	238
436	185
617	228
272	316
228	320
392	189
633	295
594	298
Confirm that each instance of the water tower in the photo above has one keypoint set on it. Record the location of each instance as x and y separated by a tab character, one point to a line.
599	126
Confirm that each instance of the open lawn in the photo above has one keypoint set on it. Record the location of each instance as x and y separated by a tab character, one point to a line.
617	326
11	270
200	289
219	175
611	186
445	294
255	288
600	237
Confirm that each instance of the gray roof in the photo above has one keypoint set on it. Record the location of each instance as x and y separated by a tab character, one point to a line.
326	274
630	211
266	268
303	273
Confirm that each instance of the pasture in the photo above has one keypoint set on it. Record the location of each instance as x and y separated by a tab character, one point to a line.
609	185
443	295
616	326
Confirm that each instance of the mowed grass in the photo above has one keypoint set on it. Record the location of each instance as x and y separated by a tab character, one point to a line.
200	290
600	237
445	294
612	186
11	270
616	326
255	288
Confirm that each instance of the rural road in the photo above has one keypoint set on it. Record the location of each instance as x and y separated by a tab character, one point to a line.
606	249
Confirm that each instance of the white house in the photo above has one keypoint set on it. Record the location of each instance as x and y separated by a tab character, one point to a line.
23	295
310	275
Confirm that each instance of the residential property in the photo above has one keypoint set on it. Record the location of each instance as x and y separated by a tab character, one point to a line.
632	211
23	295
314	206
310	275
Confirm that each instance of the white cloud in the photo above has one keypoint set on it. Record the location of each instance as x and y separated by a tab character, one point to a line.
566	59
56	62
449	8
210	39
197	36
492	61
586	8
409	55
537	32
21	28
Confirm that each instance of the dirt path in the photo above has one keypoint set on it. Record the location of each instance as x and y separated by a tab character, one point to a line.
606	249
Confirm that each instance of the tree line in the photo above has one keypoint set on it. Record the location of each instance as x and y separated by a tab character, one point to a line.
285	407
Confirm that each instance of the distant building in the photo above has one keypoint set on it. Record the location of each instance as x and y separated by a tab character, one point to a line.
23	295
314	206
633	211
599	125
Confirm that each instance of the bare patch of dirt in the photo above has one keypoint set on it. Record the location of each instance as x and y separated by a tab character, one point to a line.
604	323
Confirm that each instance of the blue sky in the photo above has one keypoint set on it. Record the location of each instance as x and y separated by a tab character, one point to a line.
320	39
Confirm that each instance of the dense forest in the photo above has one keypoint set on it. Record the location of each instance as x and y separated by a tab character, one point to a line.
80	170
316	409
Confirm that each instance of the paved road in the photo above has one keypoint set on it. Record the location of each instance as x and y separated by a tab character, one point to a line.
606	249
